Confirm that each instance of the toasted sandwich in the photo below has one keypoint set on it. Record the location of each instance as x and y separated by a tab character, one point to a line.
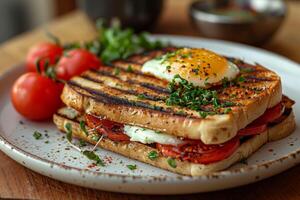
186	110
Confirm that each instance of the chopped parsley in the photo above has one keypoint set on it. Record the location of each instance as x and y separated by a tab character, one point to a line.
131	167
187	95
203	114
241	79
82	143
83	128
129	69
152	155
141	96
226	83
227	110
92	156
166	56
37	135
116	71
95	138
172	162
68	128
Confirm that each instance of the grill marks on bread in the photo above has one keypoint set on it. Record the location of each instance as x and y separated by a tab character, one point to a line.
118	85
131	97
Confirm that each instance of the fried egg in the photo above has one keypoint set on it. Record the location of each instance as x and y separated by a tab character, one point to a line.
201	67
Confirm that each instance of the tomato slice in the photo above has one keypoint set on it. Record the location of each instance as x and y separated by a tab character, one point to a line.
260	124
270	115
113	130
198	152
252	130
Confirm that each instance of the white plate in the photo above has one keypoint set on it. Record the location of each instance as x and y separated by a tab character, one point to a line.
57	160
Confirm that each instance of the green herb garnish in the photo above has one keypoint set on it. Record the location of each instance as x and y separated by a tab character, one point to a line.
83	128
92	156
241	79
172	162
185	94
129	69
141	96
152	155
131	167
116	71
116	43
95	138
166	56
227	110
82	143
37	135
68	128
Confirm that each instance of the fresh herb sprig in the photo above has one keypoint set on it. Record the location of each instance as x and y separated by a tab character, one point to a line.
116	43
92	156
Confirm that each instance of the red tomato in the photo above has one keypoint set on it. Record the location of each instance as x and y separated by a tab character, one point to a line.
113	130
43	51
75	62
260	124
253	130
270	115
197	152
36	97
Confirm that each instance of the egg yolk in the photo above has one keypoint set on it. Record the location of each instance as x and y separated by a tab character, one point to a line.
197	64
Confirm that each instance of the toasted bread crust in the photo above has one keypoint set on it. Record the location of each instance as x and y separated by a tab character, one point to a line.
140	151
211	130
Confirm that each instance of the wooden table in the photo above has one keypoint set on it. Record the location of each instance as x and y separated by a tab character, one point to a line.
19	182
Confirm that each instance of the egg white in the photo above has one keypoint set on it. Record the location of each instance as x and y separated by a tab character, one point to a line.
159	69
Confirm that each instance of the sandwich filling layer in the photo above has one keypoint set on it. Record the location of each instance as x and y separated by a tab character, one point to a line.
193	151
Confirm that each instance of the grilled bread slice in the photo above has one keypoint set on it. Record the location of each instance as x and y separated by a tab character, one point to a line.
139	151
123	94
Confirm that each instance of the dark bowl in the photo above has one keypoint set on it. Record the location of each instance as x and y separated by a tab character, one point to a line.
138	14
253	21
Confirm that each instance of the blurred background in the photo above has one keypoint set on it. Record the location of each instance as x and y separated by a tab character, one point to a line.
207	18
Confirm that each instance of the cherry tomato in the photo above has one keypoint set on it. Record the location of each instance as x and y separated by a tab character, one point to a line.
36	97
45	52
113	130
75	62
198	152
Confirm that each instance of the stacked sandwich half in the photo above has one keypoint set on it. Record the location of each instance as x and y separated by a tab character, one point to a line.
182	110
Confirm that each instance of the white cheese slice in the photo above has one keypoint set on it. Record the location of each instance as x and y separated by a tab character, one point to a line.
147	136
